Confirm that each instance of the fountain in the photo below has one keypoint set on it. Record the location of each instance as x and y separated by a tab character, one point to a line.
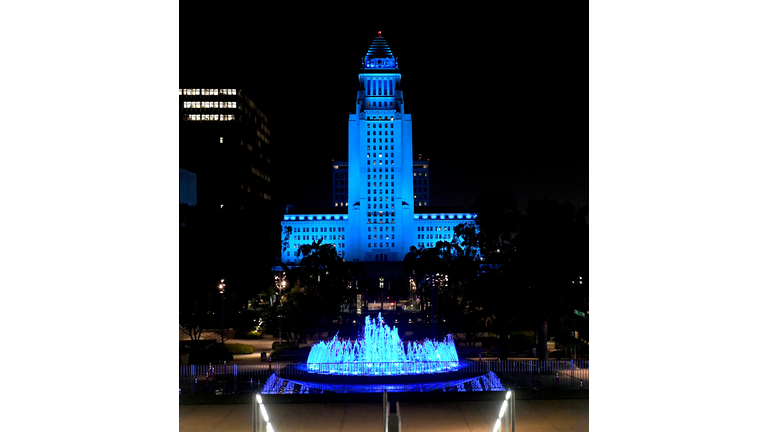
379	351
379	360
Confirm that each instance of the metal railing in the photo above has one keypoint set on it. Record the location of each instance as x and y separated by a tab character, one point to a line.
237	379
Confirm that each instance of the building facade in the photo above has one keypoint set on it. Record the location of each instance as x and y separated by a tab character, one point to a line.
340	182
384	193
224	142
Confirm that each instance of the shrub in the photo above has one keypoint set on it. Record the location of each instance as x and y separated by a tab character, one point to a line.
253	335
239	348
278	345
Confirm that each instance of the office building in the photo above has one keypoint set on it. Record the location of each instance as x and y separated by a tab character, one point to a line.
224	145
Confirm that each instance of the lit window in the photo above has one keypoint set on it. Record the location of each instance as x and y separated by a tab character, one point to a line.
221	139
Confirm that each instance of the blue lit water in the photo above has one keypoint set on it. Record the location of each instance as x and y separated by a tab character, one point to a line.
379	351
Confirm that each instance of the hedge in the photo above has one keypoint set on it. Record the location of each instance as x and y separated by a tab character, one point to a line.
239	348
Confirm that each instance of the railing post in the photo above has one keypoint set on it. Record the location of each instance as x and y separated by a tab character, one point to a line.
511	408
385	409
254	409
256	415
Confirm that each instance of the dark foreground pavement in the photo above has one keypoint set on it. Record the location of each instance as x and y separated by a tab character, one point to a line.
536	411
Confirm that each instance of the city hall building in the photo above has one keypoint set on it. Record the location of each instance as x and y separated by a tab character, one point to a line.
381	194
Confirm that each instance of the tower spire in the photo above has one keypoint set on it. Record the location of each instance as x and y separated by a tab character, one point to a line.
379	55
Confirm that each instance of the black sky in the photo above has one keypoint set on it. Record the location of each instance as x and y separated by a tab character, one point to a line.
498	99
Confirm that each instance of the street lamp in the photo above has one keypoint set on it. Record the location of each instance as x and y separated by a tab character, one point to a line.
279	317
280	282
222	285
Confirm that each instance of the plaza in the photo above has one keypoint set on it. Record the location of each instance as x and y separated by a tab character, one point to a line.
535	415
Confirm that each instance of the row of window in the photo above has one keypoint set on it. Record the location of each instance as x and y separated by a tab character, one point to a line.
261	135
382	229
380	191
385	184
381	237
373	118
206	104
311	237
422	203
380	221
382	206
380	133
340	204
435	236
386	147
386	176
209	117
381	125
386	140
380	155
381	213
433	228
319	229
261	174
335	245
382	245
386	162
420	174
194	92
379	104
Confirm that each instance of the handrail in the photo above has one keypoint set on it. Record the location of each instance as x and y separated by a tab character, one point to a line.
508	408
259	416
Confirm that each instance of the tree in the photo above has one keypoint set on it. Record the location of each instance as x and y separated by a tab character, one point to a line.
518	270
317	288
217	244
297	313
553	249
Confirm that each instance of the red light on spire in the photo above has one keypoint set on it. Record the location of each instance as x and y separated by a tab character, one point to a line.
379	33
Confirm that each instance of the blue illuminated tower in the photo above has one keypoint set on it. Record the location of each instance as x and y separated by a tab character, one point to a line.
380	161
383	216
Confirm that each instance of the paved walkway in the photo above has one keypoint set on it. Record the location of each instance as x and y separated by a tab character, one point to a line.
465	416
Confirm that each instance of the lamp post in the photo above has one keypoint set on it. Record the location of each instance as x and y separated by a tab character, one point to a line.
280	282
280	317
221	291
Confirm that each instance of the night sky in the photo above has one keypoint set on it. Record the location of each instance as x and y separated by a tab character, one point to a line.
498	106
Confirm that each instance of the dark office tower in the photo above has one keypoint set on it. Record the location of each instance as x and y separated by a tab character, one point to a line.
225	149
